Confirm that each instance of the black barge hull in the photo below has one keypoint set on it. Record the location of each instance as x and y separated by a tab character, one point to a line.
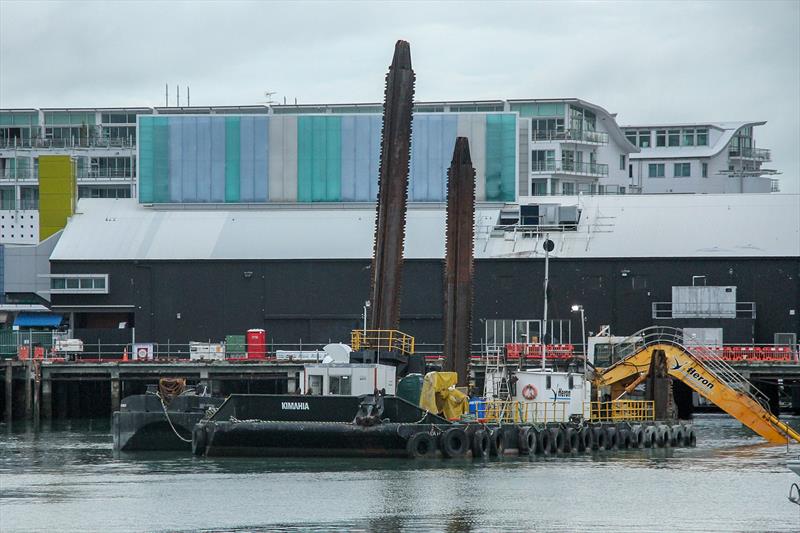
142	425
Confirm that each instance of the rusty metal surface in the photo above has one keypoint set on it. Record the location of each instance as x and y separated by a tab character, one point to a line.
458	270
387	260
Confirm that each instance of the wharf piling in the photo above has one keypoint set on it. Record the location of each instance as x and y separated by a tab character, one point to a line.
40	390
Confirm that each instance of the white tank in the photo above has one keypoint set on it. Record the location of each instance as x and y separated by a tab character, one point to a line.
337	353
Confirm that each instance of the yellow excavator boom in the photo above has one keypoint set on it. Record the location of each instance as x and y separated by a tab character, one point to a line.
683	365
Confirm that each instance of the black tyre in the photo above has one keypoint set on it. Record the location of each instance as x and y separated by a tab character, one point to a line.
612	438
690	439
637	437
650	437
543	441
421	445
571	440
557	440
598	438
454	443
663	436
677	436
585	439
526	441
624	439
480	444
498	443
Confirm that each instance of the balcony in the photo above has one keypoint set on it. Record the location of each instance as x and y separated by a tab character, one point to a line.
120	175
570	135
757	154
598	170
70	142
19	174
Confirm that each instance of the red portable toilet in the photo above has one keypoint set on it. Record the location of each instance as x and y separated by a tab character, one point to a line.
256	344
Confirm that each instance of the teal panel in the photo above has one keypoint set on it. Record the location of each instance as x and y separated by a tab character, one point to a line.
305	143
145	158
232	159
160	160
501	130
319	159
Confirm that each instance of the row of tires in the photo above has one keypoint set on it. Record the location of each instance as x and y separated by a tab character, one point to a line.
528	440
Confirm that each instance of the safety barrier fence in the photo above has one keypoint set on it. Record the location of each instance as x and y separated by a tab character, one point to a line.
382	339
622	410
518	412
744	354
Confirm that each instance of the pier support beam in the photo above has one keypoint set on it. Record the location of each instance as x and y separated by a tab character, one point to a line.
47	398
9	392
28	390
115	393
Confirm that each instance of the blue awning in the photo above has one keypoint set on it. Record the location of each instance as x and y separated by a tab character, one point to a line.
38	320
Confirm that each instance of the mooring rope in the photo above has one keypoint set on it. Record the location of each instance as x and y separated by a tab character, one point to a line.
166	414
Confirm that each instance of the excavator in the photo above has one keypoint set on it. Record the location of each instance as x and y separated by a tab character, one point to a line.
661	350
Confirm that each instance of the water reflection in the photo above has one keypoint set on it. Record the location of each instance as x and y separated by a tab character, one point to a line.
65	476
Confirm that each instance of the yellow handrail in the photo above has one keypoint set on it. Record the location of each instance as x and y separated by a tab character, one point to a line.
622	411
510	411
382	339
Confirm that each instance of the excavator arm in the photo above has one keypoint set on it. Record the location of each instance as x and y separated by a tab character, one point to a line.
721	391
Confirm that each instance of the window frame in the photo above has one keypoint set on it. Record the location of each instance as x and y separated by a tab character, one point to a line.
658	167
683	166
79	283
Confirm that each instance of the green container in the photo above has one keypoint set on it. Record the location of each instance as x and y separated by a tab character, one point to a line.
235	346
410	388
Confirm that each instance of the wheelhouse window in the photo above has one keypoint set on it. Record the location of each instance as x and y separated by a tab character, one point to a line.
661	138
674	137
702	137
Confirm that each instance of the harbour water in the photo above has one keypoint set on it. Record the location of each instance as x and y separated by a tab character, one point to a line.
65	477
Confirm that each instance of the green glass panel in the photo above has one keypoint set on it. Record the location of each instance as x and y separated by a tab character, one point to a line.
319	159
500	157
146	160
160	160
232	159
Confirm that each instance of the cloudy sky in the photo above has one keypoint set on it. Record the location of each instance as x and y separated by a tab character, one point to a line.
647	61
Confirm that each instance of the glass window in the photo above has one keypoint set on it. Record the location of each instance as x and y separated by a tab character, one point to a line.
72	283
661	137
568	188
631	136
705	169
683	170
86	283
674	137
314	385
58	283
339	385
622	161
702	137
644	139
99	283
688	137
656	170
543	160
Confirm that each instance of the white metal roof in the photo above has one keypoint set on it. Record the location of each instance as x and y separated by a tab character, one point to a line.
738	225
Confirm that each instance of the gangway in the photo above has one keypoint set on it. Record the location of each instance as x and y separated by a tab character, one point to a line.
710	377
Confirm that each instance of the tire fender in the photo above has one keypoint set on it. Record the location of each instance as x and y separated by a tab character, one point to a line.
453	443
420	445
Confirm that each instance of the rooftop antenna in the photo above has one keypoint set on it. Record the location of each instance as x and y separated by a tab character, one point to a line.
178	96
268	98
188	98
166	95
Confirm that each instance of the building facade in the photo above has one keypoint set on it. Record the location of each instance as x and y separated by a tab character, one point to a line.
699	158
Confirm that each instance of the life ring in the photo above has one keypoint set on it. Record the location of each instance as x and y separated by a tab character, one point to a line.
530	392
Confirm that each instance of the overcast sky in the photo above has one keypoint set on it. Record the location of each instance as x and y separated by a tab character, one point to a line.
647	61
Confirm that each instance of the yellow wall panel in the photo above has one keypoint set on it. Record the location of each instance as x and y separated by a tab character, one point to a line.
57	193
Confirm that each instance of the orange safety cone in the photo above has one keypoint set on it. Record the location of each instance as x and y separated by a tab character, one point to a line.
125	354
